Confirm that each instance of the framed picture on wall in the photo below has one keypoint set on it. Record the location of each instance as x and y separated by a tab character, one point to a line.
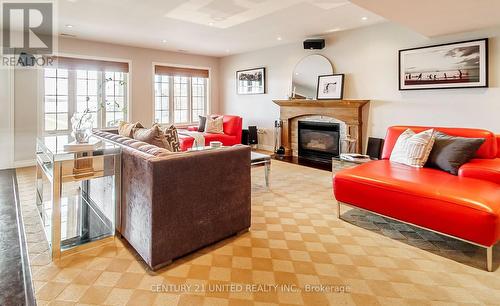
454	65
330	87
251	81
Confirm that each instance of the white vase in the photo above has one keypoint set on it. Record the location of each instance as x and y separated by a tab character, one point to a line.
81	124
81	135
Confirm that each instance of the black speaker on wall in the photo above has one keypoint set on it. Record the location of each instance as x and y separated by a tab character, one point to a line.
374	147
314	44
252	134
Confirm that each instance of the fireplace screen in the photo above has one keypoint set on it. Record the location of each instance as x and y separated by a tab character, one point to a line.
318	140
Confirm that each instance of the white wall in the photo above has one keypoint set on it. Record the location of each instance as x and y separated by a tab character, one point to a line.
26	97
369	58
6	120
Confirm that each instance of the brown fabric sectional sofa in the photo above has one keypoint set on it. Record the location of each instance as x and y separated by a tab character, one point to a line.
175	203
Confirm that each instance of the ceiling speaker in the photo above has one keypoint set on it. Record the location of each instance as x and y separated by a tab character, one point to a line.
26	59
314	44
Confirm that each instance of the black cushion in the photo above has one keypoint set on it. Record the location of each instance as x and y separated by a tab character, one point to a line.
203	120
449	153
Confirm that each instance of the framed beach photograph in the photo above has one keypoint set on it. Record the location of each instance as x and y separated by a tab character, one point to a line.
251	81
330	87
454	65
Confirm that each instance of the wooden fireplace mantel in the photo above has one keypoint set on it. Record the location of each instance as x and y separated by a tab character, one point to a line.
322	103
348	111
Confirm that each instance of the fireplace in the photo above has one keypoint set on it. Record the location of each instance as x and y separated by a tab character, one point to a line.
319	141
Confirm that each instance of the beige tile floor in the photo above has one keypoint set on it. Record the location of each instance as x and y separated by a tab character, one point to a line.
296	241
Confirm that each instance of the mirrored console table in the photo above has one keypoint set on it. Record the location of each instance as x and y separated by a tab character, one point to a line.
78	193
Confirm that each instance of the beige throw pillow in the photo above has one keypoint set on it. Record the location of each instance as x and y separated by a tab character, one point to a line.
413	149
153	136
127	129
214	125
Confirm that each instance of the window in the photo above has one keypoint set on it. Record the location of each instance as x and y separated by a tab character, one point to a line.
77	85
86	93
114	98
56	100
180	94
162	93
198	86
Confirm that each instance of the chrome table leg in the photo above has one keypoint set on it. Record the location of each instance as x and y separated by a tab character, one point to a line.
489	258
267	169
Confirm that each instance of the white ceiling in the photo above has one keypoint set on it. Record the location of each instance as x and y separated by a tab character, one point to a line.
437	17
210	27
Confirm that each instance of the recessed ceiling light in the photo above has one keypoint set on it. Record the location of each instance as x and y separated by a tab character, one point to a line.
364	18
164	41
67	35
279	38
211	24
69	26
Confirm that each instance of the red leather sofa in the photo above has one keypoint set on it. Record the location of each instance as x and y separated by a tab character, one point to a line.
466	206
232	133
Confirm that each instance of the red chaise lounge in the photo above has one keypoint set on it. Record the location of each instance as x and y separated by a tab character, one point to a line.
232	133
466	207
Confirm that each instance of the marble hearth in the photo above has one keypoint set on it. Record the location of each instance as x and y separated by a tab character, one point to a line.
348	113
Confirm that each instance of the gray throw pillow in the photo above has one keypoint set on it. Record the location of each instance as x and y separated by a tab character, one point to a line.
449	153
201	126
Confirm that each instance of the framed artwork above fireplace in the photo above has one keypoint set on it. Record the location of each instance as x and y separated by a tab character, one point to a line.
330	87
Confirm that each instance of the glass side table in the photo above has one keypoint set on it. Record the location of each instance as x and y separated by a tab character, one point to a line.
340	163
78	193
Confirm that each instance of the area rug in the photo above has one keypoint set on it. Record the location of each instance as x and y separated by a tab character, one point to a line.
297	252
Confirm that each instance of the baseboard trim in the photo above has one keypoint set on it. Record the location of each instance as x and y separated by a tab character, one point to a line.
24	163
6	166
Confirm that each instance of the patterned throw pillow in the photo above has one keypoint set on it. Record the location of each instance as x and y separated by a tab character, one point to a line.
172	139
153	136
214	125
127	129
413	149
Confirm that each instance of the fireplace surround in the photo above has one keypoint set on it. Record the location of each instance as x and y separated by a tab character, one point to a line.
350	112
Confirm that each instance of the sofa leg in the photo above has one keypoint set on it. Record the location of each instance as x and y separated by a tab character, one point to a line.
489	258
338	209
